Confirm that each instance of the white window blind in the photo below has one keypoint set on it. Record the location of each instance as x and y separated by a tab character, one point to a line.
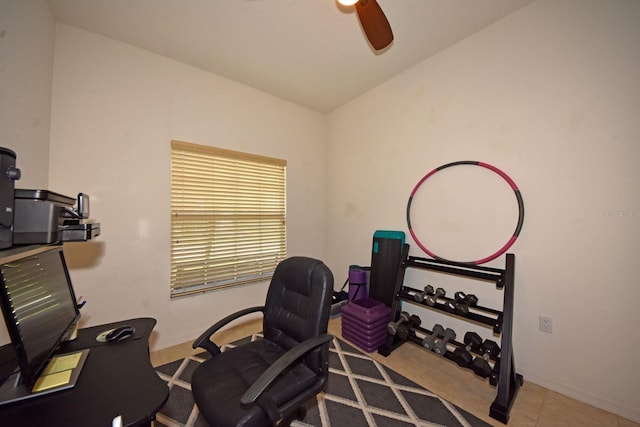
228	217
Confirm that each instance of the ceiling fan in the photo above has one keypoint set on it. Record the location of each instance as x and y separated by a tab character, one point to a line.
373	21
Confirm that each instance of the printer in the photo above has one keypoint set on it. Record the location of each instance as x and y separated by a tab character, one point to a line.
45	217
33	217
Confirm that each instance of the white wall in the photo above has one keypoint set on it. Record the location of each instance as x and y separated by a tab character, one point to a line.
551	96
27	31
115	110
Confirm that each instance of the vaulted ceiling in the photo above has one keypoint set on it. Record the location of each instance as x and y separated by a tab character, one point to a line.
310	52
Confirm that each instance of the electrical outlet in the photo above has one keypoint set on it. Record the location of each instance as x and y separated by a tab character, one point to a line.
546	324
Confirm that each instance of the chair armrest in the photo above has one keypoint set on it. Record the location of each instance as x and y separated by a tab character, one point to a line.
280	365
203	340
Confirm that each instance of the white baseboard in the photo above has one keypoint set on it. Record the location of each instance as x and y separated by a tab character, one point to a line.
625	411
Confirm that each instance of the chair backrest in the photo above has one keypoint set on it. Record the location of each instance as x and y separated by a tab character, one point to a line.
298	305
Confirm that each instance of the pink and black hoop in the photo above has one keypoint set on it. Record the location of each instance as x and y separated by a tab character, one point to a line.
504	248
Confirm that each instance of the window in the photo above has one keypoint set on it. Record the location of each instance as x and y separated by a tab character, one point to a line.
228	217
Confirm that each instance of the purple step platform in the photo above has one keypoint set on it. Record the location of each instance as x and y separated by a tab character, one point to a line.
367	346
366	336
360	324
364	323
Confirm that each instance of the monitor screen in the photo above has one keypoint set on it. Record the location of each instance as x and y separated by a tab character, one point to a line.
39	307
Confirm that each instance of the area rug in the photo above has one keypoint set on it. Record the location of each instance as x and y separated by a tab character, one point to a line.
360	392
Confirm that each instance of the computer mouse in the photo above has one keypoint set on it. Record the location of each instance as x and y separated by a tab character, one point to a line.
120	333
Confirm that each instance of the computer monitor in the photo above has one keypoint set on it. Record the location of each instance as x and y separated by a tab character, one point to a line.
39	307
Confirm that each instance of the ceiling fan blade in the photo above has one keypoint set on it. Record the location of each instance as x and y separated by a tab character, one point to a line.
374	23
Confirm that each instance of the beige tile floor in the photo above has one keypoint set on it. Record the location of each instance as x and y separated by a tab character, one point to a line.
534	405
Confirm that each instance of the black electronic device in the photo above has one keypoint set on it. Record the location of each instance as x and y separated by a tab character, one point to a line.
83	205
8	175
46	217
82	209
121	333
39	307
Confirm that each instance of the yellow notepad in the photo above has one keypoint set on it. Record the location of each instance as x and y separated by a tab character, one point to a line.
57	379
58	372
62	363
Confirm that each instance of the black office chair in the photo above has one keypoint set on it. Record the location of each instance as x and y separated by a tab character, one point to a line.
266	382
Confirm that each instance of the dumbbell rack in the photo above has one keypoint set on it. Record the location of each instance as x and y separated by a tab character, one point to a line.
508	381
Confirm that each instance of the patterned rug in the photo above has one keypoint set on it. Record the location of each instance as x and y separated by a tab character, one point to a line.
360	392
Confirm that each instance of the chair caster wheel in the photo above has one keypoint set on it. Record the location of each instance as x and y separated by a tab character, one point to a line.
301	413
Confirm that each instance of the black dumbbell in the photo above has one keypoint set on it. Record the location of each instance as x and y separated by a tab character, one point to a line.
392	327
415	295
429	342
471	300
450	306
405	329
460	306
419	297
428	290
432	299
463	302
440	346
480	364
462	356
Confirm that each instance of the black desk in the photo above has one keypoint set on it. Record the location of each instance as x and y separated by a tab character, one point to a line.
117	379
